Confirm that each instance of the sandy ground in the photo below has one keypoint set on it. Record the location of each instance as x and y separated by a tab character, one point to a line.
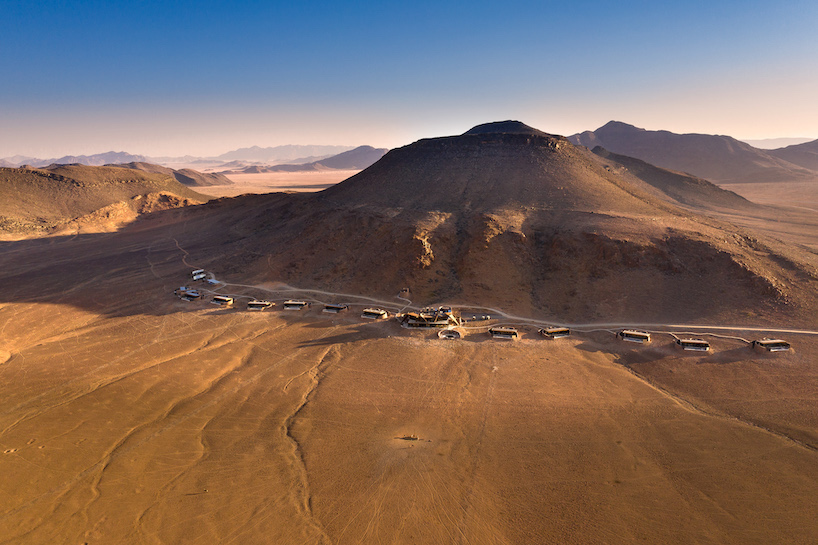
801	195
278	181
129	416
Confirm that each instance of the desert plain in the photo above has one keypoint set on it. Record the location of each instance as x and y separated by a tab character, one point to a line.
268	182
129	415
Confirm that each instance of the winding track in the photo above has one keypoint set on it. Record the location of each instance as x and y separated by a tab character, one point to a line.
510	319
521	320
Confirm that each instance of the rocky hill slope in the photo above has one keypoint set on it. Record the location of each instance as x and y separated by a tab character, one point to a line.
185	176
82	198
516	219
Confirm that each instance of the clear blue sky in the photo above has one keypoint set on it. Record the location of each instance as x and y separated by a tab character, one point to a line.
205	77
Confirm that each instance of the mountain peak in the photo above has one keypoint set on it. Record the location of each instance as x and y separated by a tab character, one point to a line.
505	127
619	125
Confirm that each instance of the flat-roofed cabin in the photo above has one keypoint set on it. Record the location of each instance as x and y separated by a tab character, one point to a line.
335	309
222	300
634	336
503	333
197	272
296	305
259	305
374	314
555	332
772	345
697	345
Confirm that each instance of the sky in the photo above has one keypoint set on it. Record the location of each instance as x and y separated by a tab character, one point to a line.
206	77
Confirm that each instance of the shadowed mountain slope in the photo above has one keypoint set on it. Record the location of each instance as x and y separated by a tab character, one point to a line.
721	159
685	189
515	220
78	197
804	155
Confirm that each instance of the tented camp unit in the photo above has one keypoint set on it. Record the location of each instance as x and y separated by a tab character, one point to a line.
631	335
259	305
503	333
772	345
429	318
374	314
555	332
222	300
697	345
296	305
449	334
335	309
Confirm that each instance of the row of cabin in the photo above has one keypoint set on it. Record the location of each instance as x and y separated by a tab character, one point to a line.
642	337
501	332
700	345
443	317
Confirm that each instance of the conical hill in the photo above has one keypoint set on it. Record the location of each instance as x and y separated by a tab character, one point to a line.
520	220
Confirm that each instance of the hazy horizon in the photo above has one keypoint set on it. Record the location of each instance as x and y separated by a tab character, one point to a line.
205	78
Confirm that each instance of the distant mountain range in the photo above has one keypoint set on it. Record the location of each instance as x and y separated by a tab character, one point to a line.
272	155
278	154
720	159
355	159
97	160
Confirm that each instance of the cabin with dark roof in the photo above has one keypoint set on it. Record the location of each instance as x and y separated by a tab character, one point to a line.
555	332
500	332
697	345
772	345
634	336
